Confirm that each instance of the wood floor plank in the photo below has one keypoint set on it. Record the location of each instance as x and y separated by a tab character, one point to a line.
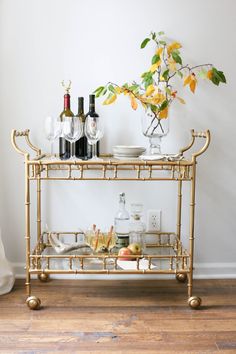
117	317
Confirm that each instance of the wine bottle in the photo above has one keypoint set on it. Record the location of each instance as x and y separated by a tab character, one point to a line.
81	146
92	113
64	145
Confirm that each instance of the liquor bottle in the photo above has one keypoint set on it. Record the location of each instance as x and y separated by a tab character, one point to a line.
92	113
64	145
121	224
81	146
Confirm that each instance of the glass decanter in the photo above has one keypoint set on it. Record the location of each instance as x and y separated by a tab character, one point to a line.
137	227
121	224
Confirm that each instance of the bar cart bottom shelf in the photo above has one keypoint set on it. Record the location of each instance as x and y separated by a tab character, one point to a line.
164	255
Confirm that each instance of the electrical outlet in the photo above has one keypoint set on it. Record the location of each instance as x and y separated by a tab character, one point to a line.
154	220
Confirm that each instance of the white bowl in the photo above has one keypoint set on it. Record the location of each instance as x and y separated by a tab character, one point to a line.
128	150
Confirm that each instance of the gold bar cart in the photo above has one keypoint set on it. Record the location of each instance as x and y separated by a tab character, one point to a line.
167	254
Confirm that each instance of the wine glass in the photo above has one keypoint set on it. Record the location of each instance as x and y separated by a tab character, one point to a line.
72	131
52	129
94	131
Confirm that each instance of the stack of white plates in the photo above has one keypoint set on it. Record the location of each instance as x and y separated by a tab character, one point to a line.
125	152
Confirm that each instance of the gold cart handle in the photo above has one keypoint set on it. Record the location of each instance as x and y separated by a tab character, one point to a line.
15	134
206	135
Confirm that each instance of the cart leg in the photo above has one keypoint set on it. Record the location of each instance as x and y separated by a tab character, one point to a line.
32	301
193	301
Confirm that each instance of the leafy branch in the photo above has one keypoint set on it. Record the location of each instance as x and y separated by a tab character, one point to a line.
156	91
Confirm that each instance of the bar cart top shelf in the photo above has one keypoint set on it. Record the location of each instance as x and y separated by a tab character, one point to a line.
110	168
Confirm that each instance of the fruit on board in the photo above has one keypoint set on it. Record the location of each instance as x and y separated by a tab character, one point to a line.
124	251
135	248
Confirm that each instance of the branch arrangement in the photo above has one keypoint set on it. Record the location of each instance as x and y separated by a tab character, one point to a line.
156	90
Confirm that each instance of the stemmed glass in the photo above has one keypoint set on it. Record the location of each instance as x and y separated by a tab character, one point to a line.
94	131
72	131
52	129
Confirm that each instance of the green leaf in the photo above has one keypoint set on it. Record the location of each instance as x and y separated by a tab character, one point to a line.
144	74
144	43
98	91
162	42
163	105
176	57
155	58
203	74
148	82
219	75
104	91
161	33
153	35
168	91
180	74
215	80
166	74
153	107
111	88
134	88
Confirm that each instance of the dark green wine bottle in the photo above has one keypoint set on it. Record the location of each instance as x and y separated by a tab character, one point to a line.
92	113
81	146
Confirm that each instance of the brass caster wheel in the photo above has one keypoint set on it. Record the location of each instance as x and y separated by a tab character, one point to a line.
194	302
33	302
181	277
43	277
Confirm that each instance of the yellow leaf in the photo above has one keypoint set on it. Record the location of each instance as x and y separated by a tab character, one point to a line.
110	100
150	89
155	66
158	98
118	90
192	85
181	100
209	74
134	103
173	46
164	113
159	51
187	80
172	64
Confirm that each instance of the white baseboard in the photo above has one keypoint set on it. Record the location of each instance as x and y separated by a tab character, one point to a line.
201	271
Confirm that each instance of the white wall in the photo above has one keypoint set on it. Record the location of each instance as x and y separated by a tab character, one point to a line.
92	42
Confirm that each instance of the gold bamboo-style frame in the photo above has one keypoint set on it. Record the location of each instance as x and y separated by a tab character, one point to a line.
167	253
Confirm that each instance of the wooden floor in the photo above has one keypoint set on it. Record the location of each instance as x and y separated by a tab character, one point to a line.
130	317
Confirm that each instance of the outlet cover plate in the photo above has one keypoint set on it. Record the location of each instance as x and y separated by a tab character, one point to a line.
153	220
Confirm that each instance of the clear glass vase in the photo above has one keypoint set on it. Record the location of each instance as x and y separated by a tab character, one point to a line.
155	129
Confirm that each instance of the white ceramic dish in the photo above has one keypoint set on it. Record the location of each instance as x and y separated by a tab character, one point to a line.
128	150
126	157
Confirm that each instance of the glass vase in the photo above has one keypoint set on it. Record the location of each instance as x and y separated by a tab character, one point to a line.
155	129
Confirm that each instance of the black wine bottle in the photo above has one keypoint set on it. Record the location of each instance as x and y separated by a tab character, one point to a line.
64	145
81	146
92	113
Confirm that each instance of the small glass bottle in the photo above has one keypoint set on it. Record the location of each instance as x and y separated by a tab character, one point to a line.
137	227
121	225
